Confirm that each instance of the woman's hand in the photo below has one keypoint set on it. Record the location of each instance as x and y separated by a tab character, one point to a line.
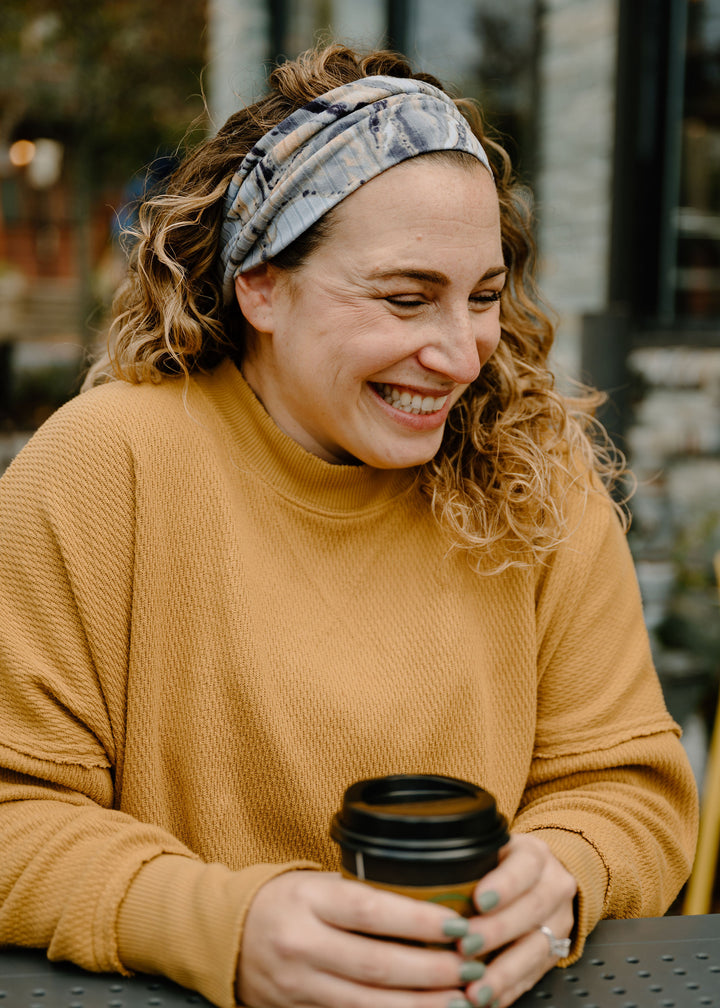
529	889
312	939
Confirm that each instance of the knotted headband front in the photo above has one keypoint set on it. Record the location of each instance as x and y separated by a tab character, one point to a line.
321	153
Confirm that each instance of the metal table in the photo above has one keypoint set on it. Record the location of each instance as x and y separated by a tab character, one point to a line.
663	962
29	980
653	962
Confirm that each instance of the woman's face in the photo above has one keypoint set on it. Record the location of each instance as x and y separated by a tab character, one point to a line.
361	352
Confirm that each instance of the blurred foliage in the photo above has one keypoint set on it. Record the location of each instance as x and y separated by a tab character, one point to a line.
118	83
120	79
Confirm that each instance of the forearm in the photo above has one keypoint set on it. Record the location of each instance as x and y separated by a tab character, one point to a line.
184	920
624	822
98	888
66	865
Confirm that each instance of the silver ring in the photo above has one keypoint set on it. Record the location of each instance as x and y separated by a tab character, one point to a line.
559	947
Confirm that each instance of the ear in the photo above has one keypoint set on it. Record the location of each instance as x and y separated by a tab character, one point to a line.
254	292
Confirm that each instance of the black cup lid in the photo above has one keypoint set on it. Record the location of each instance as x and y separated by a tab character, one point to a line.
419	812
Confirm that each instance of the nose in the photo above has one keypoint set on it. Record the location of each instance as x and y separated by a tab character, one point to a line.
460	344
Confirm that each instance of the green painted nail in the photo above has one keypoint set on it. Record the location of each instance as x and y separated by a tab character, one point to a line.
483	997
455	927
496	1003
471	945
459	1003
470	971
487	901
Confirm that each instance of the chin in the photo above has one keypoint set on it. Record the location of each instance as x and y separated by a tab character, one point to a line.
404	460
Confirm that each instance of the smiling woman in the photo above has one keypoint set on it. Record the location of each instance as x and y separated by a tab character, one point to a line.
403	295
512	442
321	515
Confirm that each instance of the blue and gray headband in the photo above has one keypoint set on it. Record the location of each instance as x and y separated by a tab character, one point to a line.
324	151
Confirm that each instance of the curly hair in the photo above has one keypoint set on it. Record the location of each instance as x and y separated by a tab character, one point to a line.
514	447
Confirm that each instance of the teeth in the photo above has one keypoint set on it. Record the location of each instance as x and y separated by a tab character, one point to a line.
411	403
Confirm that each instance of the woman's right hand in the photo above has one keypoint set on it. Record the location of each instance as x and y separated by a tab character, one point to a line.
312	939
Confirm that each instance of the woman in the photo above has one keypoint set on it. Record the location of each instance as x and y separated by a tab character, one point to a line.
329	520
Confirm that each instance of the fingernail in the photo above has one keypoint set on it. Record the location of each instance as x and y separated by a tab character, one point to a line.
471	945
470	971
459	1003
487	901
483	997
455	927
496	1003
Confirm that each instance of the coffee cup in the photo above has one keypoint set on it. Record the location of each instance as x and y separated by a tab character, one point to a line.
421	835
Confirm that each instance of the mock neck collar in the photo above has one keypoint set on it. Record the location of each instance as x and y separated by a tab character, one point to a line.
257	443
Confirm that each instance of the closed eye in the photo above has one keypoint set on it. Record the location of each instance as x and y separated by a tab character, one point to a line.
410	301
487	297
406	301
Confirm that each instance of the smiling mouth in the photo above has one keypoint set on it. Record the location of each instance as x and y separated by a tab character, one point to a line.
409	402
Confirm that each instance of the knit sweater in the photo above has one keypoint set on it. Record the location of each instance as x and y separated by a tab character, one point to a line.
207	634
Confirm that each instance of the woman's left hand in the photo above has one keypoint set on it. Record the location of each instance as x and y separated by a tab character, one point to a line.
528	890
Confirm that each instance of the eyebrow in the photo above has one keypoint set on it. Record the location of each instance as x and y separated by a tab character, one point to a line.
431	276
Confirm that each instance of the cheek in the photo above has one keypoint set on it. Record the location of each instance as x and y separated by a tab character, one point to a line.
345	337
489	337
364	341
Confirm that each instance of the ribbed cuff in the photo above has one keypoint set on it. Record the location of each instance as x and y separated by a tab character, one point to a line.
183	919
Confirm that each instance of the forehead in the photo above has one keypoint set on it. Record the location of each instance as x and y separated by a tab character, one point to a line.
430	204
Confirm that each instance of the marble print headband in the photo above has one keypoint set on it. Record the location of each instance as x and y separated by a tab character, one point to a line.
321	153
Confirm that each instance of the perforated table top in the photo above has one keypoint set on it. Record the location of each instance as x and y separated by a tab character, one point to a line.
28	980
664	962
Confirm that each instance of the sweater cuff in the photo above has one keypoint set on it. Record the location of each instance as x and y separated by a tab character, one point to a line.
183	919
578	855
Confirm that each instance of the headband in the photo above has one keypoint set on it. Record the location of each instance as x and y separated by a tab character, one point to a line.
322	152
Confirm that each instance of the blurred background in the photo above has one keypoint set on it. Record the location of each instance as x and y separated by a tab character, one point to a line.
611	111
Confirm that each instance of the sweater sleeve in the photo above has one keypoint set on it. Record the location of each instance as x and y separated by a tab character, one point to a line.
78	876
610	788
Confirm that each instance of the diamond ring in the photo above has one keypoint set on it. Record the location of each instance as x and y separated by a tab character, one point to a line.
559	947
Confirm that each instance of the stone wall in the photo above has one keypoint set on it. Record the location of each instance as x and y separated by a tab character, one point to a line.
674	446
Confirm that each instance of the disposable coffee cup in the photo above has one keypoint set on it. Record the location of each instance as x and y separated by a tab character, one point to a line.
421	835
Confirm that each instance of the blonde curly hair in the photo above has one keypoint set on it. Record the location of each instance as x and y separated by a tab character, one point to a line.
514	447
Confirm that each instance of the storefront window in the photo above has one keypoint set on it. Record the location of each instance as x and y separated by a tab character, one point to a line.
486	49
697	272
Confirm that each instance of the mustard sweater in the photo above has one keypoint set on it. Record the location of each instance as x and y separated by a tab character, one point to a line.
206	634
